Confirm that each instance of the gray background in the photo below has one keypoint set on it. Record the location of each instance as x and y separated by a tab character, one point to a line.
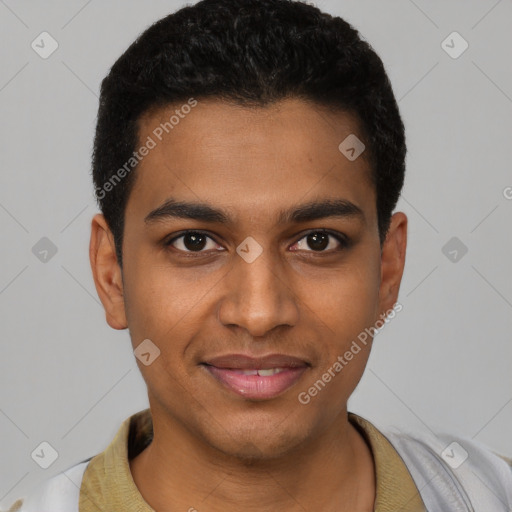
443	363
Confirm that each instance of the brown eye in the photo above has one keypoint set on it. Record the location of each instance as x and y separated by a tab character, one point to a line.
319	241
192	241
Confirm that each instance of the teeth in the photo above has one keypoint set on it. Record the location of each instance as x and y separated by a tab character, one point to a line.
268	372
249	372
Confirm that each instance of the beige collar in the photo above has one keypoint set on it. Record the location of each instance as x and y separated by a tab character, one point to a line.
107	483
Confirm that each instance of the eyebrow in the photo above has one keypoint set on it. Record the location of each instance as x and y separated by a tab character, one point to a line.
340	208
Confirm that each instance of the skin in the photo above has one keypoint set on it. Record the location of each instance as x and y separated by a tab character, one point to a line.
212	449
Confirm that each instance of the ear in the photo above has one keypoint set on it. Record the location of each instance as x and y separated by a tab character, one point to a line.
392	261
107	272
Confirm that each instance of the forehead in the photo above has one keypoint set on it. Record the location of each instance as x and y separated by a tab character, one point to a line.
254	159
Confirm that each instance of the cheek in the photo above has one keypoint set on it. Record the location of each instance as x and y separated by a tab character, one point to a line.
159	301
161	309
345	311
165	309
347	301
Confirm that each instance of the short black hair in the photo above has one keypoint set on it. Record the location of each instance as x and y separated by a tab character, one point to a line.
253	53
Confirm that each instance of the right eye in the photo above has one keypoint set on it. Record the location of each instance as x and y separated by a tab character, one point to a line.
192	242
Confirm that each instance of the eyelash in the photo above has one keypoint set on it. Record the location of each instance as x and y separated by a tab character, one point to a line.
342	239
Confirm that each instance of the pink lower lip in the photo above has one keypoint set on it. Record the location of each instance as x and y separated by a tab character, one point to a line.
254	386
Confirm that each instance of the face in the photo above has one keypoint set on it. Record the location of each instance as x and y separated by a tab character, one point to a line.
280	269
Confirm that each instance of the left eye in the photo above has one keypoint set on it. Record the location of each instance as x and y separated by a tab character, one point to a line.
319	241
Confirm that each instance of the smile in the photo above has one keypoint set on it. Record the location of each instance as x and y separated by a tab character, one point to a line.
257	384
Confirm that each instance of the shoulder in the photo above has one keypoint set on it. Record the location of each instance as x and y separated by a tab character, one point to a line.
455	465
57	494
454	451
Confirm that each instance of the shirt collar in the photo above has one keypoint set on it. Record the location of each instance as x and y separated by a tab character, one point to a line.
108	484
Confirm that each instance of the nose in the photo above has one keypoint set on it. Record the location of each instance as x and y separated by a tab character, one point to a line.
258	296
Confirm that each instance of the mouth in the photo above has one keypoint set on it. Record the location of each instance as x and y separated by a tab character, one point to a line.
257	378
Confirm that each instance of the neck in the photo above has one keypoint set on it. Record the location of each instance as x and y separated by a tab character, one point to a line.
332	472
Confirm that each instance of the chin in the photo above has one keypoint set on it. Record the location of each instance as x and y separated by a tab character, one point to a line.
252	445
253	453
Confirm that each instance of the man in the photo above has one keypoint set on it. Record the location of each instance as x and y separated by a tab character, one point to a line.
248	158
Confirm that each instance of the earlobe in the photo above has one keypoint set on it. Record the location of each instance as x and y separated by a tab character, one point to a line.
393	261
107	272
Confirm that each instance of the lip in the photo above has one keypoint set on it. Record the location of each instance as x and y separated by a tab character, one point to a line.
228	370
245	362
